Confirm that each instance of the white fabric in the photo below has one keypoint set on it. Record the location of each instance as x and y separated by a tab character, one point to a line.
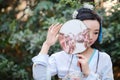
77	28
44	66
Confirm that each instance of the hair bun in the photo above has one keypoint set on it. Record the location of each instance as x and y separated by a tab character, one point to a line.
88	6
88	9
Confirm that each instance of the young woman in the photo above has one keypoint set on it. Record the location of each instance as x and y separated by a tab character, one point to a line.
94	64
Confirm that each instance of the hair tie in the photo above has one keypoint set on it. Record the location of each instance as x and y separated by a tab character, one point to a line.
74	15
100	34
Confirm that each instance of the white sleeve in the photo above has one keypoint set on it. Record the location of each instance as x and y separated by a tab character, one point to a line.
41	59
39	68
44	67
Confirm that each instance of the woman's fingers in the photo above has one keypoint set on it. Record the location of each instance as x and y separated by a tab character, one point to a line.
82	59
52	35
83	64
80	56
55	27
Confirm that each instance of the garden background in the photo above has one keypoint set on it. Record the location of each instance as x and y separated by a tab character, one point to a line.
24	24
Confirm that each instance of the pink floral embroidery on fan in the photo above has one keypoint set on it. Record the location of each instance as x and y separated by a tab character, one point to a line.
68	42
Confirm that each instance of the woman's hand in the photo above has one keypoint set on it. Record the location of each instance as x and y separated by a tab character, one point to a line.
83	63
51	38
52	34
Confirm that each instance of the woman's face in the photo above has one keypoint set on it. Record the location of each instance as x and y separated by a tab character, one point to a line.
93	27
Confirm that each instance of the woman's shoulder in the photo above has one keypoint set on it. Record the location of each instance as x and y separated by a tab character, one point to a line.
104	55
104	59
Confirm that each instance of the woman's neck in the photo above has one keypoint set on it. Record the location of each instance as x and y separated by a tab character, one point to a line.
87	53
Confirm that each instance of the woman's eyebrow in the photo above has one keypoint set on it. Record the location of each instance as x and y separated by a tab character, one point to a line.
96	29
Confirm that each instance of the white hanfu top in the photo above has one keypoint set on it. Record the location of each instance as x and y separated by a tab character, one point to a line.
60	63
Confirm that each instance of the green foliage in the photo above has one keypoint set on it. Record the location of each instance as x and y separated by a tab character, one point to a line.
111	34
32	40
11	71
71	3
21	40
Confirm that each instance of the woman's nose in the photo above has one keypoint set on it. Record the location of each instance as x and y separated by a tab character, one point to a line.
90	36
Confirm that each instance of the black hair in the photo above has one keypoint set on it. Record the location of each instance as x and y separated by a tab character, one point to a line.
88	14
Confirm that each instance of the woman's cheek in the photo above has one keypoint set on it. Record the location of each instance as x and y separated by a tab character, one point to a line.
92	42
